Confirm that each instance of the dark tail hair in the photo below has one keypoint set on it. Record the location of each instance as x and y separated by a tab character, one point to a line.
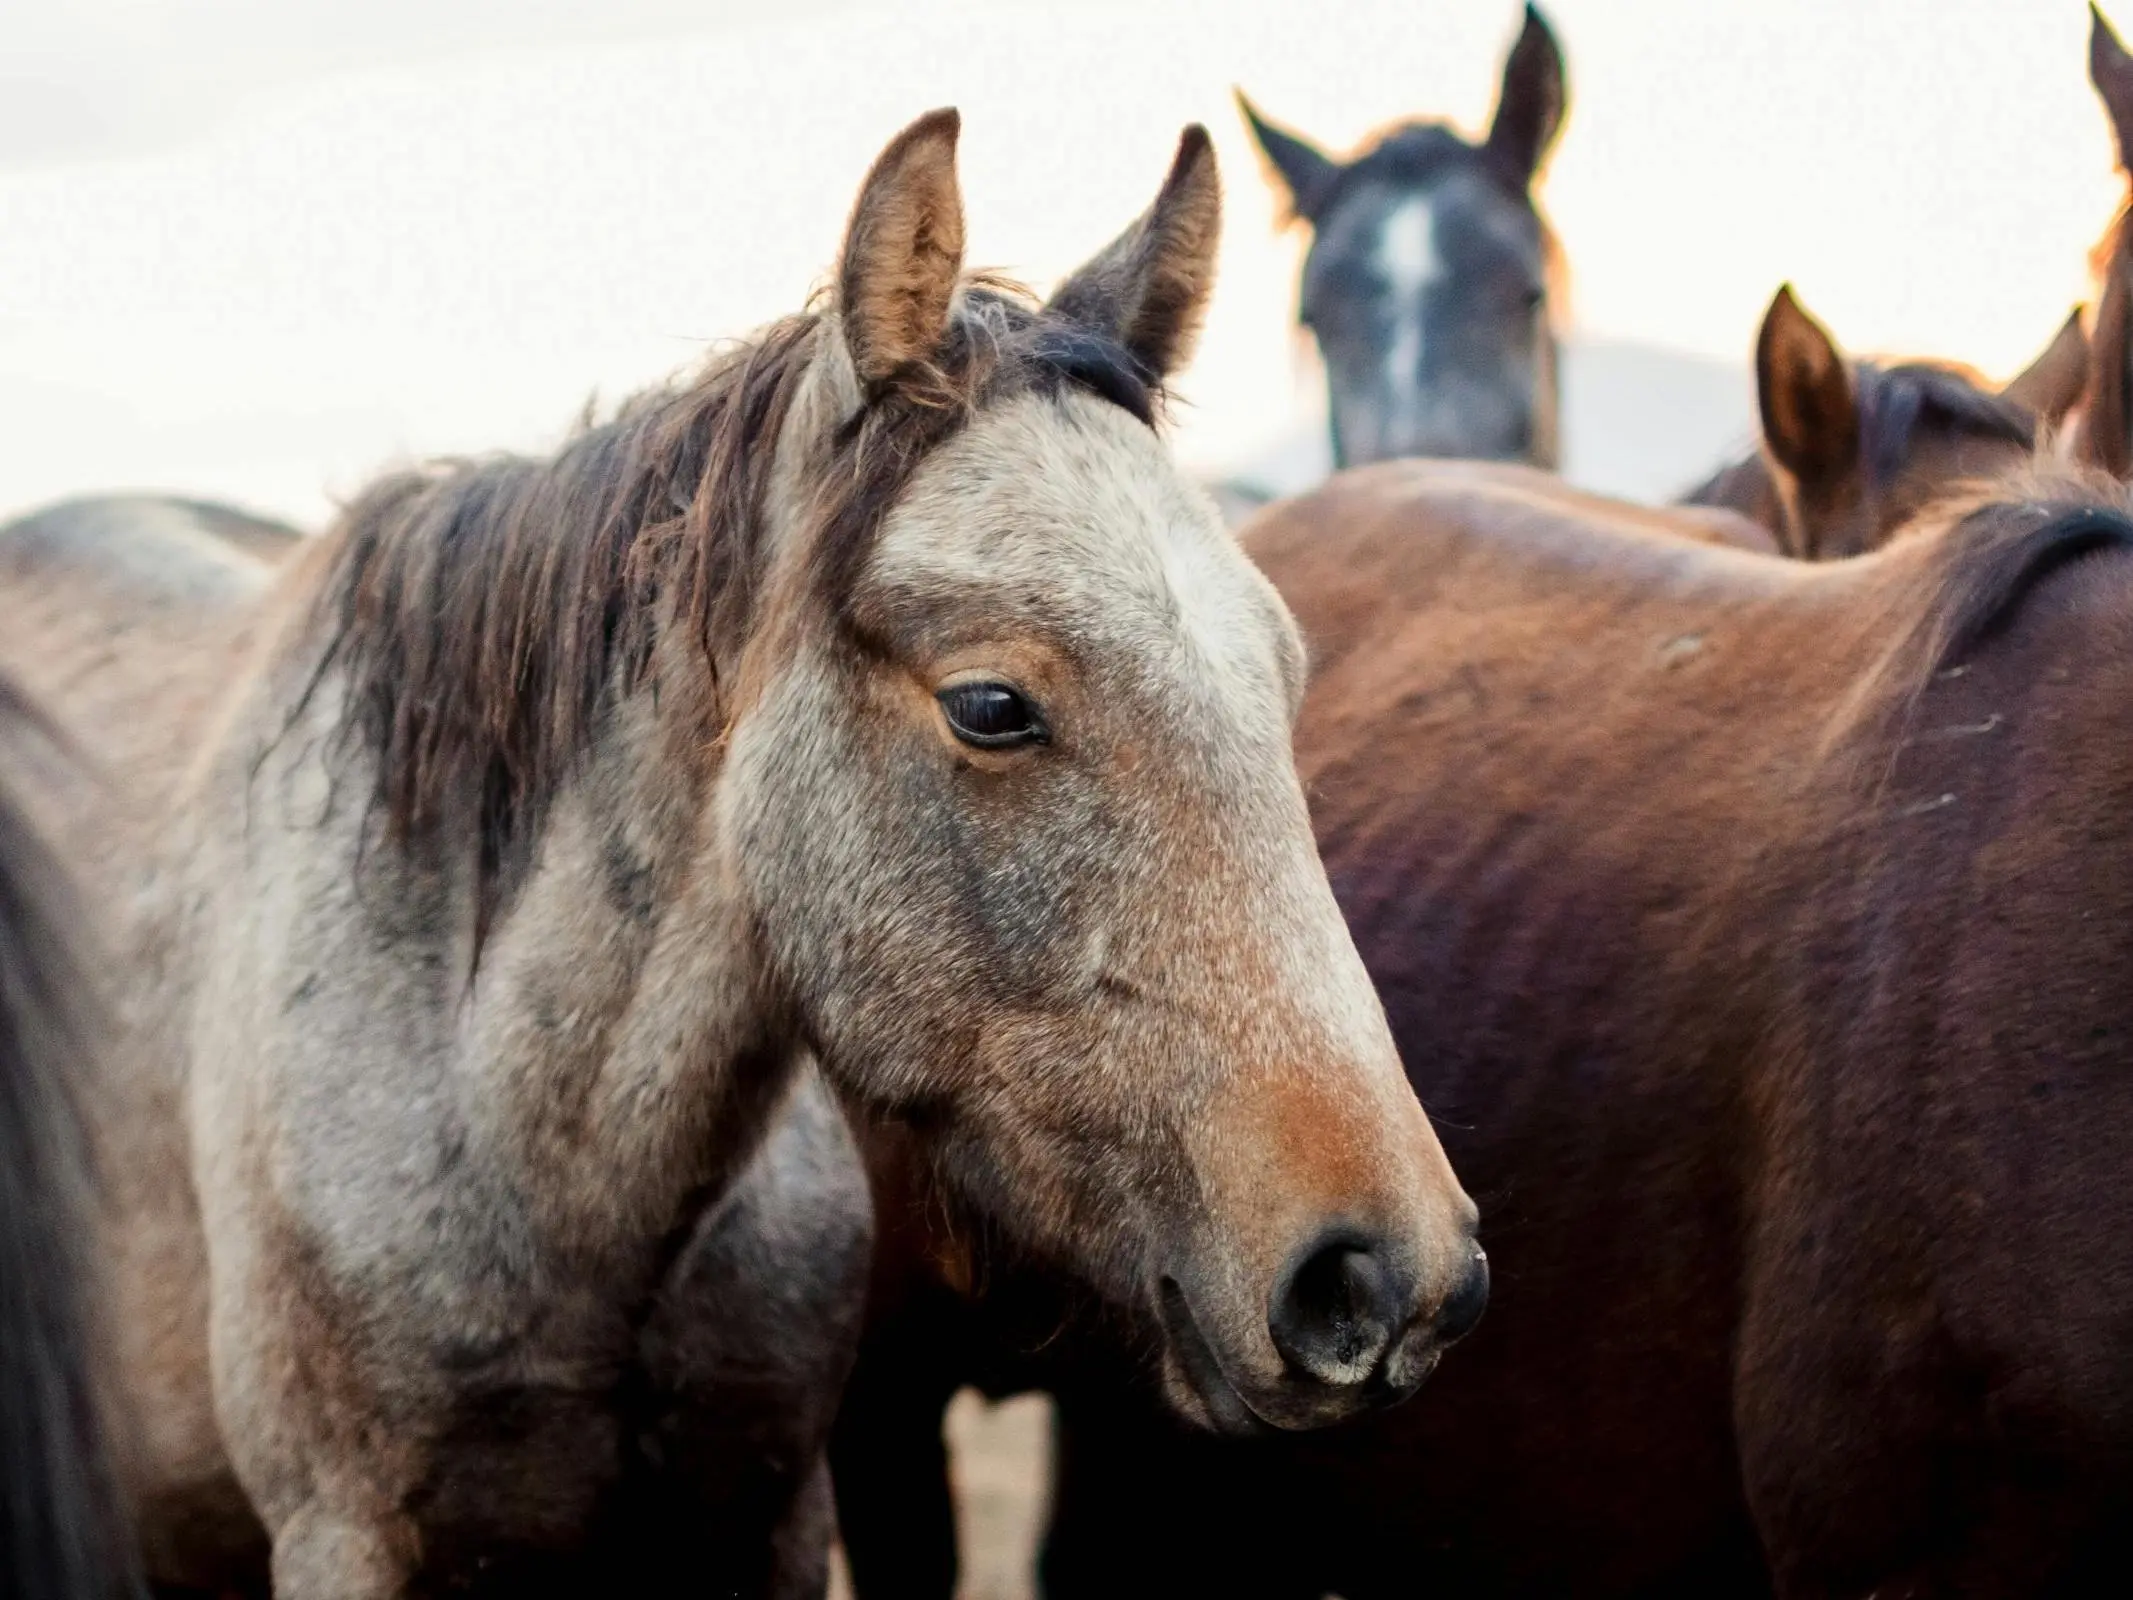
62	1533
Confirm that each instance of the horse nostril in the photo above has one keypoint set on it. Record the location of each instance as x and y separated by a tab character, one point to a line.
1337	1309
1462	1308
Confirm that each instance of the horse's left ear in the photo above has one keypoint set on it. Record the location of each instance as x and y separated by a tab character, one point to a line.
1804	390
1148	288
903	252
1531	104
2111	71
2050	385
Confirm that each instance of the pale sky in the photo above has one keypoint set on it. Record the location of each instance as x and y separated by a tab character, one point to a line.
262	248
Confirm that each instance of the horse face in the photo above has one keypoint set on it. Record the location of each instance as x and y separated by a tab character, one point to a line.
1022	829
1426	285
1429	304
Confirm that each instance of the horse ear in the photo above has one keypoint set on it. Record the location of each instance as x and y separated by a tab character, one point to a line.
903	251
1302	170
2104	436
1531	103
1804	388
1148	288
2111	71
2050	385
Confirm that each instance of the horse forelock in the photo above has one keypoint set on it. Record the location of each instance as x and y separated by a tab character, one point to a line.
483	613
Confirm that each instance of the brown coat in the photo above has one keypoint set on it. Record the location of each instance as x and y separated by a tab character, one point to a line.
1755	934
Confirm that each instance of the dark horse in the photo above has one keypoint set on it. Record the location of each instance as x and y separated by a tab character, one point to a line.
1427	282
61	1535
1824	1061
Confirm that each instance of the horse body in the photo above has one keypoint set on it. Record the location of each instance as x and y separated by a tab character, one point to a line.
1797	1102
882	698
142	607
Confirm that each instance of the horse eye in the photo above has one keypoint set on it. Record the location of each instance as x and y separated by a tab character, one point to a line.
992	716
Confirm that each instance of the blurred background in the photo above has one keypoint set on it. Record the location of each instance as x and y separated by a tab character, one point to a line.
261	248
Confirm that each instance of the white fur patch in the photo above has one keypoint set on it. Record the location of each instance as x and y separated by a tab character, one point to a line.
1407	258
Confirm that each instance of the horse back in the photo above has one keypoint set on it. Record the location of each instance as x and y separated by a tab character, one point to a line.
126	615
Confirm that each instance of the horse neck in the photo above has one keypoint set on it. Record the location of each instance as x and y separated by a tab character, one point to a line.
619	1027
605	1052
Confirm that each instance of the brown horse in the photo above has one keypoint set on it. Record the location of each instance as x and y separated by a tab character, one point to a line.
1852	450
1801	1104
884	696
62	1535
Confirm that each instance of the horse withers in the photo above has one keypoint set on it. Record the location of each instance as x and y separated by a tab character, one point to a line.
1427	282
883	695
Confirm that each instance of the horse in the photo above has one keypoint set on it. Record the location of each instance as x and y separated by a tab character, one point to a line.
1427	283
1851	449
882	697
133	585
62	1530
1798	1104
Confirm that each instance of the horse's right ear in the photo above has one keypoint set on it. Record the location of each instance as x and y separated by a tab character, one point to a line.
1304	171
903	252
2051	385
2111	71
2103	436
1804	389
1531	103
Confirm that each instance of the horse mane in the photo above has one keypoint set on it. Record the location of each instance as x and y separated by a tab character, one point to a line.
1999	550
62	1530
1895	401
484	613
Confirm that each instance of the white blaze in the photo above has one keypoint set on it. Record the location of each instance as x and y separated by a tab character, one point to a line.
1407	260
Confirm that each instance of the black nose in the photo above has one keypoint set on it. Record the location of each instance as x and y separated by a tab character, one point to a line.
1462	1308
1337	1308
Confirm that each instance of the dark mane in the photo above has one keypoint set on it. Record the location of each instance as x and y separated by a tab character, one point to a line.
1895	401
484	614
2001	551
